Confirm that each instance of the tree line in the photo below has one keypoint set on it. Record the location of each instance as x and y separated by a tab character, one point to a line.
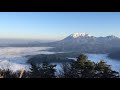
81	68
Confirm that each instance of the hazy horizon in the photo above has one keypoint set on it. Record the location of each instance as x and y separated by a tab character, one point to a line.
57	25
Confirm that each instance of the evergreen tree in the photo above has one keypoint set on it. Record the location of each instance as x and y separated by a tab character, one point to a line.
8	74
67	71
43	70
104	71
34	71
47	70
84	68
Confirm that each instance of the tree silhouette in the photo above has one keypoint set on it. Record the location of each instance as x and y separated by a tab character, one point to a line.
43	70
104	71
84	68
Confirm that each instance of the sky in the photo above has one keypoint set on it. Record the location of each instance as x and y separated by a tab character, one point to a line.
57	25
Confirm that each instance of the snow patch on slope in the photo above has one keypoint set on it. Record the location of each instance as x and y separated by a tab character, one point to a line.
76	35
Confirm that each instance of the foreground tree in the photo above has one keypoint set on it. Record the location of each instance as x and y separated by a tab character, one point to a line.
7	73
84	68
104	71
81	68
43	70
34	71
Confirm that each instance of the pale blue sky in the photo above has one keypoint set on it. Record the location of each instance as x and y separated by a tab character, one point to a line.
57	25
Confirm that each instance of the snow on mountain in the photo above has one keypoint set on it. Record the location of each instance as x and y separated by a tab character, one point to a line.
85	36
112	37
83	42
77	35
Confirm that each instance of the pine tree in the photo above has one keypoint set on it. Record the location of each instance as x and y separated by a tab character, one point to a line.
84	68
43	70
47	70
34	71
104	71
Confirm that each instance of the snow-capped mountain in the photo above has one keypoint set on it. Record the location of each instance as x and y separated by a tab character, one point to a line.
85	36
78	35
83	42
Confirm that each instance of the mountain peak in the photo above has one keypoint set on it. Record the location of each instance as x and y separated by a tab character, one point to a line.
76	35
112	37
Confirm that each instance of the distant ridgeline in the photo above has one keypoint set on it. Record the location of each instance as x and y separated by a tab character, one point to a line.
81	42
22	42
115	55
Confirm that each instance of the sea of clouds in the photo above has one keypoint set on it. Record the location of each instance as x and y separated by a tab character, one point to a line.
15	57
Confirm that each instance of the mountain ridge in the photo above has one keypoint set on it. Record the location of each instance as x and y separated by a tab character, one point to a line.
83	42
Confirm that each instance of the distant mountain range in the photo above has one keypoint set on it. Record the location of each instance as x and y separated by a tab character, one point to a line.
81	42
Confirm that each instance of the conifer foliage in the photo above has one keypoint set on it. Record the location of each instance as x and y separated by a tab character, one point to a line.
81	68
